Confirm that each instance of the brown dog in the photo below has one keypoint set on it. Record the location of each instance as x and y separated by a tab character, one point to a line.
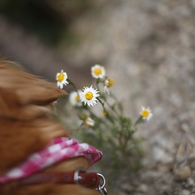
27	126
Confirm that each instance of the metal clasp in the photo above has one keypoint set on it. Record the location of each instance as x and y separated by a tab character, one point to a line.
77	177
103	191
101	186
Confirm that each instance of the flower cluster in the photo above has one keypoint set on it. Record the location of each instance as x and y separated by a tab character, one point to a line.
89	95
110	127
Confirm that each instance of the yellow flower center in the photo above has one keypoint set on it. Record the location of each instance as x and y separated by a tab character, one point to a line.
104	112
89	95
109	82
76	98
84	117
61	77
98	71
145	113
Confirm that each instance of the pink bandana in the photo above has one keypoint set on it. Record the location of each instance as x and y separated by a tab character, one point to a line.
60	149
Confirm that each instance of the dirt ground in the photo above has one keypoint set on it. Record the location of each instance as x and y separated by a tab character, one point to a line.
148	47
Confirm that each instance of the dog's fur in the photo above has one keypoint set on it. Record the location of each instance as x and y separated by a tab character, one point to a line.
27	126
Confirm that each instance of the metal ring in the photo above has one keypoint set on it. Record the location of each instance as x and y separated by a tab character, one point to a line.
76	175
100	187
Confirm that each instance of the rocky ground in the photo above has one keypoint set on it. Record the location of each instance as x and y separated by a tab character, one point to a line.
148	47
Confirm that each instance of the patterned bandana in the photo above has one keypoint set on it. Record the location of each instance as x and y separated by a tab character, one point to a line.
60	149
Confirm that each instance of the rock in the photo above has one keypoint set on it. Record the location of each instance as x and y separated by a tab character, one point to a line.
127	187
190	182
183	173
184	192
143	188
183	151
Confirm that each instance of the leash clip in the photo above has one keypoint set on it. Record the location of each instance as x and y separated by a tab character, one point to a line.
103	191
101	187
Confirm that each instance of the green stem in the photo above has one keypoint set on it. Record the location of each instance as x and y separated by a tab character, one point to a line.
112	109
102	103
71	83
139	120
97	84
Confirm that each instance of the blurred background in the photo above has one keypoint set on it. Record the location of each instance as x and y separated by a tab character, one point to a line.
146	46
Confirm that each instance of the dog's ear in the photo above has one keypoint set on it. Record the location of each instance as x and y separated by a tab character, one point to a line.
23	95
25	105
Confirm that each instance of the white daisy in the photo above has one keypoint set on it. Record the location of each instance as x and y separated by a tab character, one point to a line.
146	113
61	79
75	98
89	96
88	122
98	71
107	84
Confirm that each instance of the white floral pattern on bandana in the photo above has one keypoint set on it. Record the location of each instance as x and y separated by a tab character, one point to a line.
60	149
